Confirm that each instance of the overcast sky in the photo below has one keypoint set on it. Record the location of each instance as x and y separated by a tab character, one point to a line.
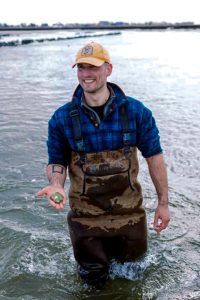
89	11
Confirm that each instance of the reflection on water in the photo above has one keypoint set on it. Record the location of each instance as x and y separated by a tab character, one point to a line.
162	69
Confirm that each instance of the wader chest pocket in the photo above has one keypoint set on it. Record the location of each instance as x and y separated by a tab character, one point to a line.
107	178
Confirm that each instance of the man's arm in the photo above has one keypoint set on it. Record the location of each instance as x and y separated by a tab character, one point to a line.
56	175
158	173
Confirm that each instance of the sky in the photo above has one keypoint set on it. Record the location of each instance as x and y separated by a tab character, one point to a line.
15	12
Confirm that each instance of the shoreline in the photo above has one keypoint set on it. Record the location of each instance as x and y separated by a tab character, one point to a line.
107	27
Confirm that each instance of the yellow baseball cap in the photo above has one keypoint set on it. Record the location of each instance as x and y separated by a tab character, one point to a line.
92	53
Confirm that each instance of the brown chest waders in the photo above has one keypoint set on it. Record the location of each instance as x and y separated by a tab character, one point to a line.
107	220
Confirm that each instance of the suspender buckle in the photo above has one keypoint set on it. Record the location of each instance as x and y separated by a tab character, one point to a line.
74	113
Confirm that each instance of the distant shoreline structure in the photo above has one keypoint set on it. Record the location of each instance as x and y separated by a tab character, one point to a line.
101	25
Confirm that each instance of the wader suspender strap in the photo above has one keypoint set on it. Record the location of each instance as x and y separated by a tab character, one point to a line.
78	135
125	129
74	113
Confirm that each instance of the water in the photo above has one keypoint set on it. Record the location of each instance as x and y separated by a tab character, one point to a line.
161	68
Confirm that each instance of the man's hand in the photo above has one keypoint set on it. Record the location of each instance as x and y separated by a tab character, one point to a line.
162	217
48	191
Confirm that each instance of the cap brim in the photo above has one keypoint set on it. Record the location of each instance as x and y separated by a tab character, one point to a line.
89	60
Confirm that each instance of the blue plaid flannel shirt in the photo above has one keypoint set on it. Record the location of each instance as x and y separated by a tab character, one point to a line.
102	135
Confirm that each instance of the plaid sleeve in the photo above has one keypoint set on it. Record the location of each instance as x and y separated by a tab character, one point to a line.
148	138
57	144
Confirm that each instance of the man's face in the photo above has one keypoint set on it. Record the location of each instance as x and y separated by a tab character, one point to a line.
93	78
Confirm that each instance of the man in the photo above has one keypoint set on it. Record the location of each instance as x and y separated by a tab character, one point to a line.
95	137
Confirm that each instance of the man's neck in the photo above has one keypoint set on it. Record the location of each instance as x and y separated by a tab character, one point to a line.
97	99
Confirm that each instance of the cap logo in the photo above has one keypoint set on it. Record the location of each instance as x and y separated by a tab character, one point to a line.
88	50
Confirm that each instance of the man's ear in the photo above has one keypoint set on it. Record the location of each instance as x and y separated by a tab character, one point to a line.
109	69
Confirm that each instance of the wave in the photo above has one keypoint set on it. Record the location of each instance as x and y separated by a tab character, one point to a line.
12	41
133	270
